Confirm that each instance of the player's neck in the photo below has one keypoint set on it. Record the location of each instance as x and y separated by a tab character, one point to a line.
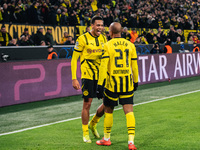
92	33
116	36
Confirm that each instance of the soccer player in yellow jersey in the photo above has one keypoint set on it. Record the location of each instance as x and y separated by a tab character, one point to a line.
89	48
119	69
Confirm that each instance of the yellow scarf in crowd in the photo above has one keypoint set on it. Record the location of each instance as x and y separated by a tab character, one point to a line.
2	39
1	17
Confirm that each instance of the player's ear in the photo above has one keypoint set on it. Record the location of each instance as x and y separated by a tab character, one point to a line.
92	25
111	34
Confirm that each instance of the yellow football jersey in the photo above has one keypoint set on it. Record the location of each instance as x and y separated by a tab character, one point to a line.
119	65
89	48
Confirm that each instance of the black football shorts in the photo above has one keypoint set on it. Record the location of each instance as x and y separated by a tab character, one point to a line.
89	88
112	98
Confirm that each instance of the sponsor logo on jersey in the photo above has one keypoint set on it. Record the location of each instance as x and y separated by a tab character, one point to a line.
94	51
126	71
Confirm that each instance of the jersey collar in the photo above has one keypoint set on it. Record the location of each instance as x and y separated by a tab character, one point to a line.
92	35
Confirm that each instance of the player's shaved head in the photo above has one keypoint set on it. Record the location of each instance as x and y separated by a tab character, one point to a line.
115	28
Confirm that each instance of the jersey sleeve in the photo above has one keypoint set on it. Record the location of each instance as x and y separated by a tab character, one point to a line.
80	44
78	48
103	66
74	60
134	64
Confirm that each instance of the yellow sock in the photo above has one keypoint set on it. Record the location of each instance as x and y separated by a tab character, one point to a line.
130	122
131	137
85	130
108	122
94	120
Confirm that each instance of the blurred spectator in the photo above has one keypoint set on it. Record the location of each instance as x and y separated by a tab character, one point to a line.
198	35
174	22
190	40
160	22
38	37
188	25
33	13
52	53
149	14
161	36
150	36
138	41
87	29
144	40
25	41
70	41
13	42
134	35
179	33
109	19
124	21
73	19
64	19
178	40
196	23
64	38
156	49
182	50
131	13
87	19
132	21
172	35
20	14
195	48
11	9
58	17
42	43
168	48
49	37
108	36
126	34
4	36
181	24
195	39
1	14
191	34
44	12
25	33
166	23
51	18
155	39
4	14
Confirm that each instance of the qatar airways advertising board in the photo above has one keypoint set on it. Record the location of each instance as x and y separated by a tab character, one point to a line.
23	82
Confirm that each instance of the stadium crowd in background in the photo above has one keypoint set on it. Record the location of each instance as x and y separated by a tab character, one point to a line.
175	15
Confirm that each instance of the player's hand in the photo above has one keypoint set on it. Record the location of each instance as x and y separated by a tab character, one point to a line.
76	84
135	86
99	91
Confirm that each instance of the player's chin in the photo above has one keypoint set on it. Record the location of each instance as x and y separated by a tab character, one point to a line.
98	33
